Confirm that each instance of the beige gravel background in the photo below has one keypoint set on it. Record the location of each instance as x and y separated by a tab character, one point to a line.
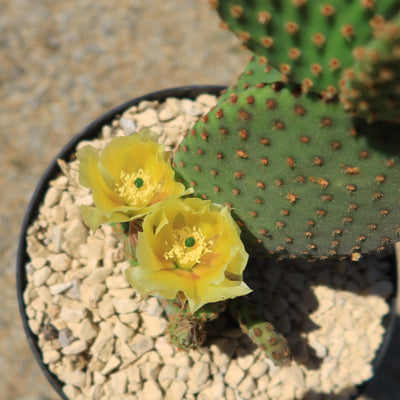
63	64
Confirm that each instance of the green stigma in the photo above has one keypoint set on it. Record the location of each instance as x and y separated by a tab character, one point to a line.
138	182
189	242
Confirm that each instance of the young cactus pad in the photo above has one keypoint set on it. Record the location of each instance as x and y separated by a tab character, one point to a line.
262	333
302	177
310	42
371	87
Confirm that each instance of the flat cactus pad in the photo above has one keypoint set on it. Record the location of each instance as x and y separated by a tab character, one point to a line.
310	42
302	177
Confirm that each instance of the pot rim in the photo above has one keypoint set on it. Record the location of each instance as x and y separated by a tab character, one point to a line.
91	131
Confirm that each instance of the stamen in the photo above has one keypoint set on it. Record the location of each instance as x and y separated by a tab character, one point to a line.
137	188
188	247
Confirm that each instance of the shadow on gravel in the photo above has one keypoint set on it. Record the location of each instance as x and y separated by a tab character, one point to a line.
284	292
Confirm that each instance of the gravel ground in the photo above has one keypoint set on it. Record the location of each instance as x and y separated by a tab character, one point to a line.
103	343
62	64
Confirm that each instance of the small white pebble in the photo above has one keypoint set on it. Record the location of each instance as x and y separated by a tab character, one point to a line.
127	125
234	374
53	196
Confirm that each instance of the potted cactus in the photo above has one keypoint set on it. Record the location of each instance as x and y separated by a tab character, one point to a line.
296	166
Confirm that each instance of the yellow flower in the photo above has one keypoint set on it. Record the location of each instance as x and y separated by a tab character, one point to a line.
192	247
130	176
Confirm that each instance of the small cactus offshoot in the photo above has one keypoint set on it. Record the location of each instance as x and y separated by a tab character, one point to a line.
370	88
262	333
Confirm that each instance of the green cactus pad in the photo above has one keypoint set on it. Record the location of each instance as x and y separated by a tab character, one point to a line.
262	333
310	42
371	87
301	176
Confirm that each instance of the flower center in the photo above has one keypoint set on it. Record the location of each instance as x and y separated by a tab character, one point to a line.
137	188
189	245
138	182
190	242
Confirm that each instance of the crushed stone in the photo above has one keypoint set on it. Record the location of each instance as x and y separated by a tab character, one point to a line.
103	343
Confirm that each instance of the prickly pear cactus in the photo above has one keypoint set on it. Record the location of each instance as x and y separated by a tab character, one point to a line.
302	176
309	42
370	88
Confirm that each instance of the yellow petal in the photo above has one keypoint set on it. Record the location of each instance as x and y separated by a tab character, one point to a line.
159	283
214	293
151	258
90	176
238	262
94	217
128	153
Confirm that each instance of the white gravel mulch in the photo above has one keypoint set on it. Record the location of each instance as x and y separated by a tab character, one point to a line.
104	344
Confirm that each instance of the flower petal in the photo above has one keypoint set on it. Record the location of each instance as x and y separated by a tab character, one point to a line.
128	153
90	176
162	283
212	293
94	216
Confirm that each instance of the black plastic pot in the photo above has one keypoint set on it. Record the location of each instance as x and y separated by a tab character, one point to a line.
90	132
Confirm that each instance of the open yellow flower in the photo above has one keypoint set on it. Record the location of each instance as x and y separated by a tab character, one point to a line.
190	247
128	178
